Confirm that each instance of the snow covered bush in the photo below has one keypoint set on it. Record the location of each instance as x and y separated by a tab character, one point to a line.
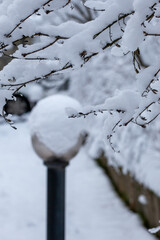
43	49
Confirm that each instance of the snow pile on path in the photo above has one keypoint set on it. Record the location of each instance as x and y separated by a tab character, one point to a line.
22	187
50	123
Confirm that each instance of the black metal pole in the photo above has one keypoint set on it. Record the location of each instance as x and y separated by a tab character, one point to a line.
56	201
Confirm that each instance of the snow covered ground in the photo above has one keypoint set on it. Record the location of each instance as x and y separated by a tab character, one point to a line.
94	212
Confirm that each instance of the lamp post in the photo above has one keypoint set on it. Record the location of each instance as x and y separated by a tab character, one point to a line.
54	159
55	186
56	200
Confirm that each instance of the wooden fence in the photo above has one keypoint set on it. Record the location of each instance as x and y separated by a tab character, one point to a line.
130	191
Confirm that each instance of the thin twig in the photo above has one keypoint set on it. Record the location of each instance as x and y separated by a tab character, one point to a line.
24	19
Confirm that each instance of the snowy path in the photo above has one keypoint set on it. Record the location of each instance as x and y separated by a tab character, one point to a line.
93	210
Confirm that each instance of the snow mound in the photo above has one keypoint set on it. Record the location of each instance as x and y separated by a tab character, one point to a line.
50	124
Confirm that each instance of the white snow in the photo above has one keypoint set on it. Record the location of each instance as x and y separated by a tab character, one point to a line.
93	209
154	230
22	187
50	123
142	199
34	92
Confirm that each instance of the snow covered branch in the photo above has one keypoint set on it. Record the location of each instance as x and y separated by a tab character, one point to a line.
37	49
